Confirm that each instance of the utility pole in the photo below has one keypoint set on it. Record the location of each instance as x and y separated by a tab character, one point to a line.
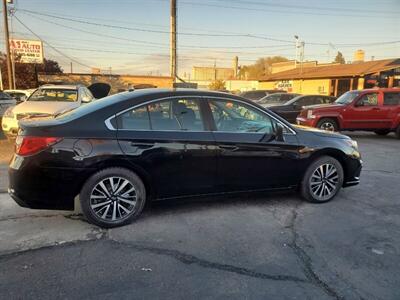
7	44
297	50
173	61
71	66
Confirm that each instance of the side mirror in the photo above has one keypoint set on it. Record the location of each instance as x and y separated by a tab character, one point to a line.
279	133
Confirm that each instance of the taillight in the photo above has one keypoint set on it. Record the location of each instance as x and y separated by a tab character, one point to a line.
28	145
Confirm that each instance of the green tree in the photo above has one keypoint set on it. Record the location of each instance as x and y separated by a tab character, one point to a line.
25	74
217	85
339	58
260	68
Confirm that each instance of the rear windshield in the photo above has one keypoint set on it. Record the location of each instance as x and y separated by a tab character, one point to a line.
347	97
54	95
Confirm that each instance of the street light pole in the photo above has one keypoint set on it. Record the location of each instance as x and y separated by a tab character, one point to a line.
7	44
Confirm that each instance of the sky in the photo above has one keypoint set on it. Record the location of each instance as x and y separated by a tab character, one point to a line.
131	36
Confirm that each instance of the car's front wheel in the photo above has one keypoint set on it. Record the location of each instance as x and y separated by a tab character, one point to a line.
328	124
113	197
322	180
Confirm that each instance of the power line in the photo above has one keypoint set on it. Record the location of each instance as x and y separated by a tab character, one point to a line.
248	35
276	11
54	48
151	43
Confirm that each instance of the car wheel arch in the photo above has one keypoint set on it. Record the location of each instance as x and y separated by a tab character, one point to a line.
120	163
335	153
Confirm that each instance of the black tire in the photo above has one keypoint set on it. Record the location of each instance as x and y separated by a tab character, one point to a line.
328	124
382	131
308	185
398	132
92	190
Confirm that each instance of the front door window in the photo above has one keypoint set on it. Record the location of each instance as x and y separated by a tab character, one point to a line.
232	116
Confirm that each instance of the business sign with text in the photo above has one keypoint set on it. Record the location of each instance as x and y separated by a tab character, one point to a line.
27	51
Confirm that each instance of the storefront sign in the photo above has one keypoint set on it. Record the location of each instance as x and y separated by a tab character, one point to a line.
285	85
27	51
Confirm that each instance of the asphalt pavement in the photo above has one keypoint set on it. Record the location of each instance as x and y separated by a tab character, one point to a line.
271	246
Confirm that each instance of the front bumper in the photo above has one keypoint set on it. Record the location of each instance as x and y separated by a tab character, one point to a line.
353	173
306	122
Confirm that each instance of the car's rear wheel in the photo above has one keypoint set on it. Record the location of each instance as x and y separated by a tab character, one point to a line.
382	131
328	124
398	132
113	197
322	180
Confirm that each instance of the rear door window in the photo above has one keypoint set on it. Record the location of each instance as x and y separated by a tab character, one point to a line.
167	115
391	98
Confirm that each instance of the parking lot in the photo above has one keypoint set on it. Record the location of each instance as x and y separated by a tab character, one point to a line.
271	246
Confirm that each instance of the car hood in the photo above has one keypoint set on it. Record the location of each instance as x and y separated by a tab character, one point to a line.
332	106
43	107
320	132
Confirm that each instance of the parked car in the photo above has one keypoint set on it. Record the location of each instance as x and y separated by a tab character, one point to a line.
375	110
6	101
276	99
19	95
122	151
48	100
258	94
292	108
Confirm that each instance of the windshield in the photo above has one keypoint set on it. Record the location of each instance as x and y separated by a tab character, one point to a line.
4	96
347	98
57	95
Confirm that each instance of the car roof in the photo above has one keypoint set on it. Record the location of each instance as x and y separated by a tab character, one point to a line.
177	91
394	89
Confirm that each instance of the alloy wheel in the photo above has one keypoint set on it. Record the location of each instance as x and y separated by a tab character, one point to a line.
328	126
324	182
113	199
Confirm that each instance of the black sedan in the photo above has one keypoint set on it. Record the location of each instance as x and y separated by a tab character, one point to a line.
291	109
119	152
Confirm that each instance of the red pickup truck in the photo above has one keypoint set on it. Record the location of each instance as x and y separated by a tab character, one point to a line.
375	110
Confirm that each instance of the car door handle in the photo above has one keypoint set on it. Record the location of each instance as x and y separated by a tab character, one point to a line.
375	108
228	147
142	145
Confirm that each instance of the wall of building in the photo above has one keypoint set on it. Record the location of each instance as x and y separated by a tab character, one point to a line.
307	87
117	82
211	73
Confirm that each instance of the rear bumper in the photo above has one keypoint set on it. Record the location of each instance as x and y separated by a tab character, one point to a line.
35	187
306	122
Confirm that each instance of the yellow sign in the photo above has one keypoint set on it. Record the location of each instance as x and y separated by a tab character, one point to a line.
27	51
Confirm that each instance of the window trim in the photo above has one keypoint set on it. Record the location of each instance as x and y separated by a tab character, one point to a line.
109	125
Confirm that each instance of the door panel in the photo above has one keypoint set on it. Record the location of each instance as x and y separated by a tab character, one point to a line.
370	115
245	163
247	158
168	141
179	163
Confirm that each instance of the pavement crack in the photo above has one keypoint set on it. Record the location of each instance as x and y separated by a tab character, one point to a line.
306	260
191	259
